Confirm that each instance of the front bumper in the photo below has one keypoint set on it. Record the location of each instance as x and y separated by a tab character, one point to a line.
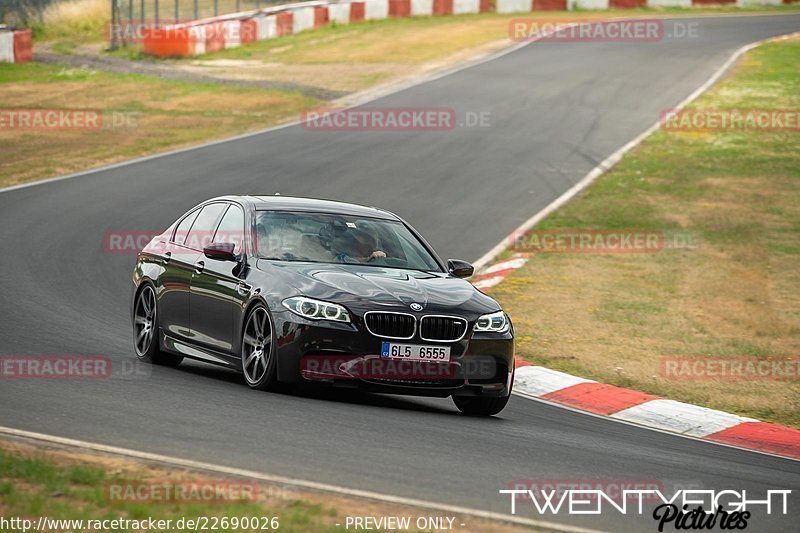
479	365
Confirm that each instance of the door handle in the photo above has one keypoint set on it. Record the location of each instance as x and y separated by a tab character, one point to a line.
243	288
166	257
199	266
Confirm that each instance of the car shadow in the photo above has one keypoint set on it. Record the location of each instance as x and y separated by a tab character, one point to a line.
320	392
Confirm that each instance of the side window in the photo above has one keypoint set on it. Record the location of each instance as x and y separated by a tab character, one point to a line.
231	228
183	228
203	228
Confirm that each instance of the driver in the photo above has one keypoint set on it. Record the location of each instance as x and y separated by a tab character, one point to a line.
360	247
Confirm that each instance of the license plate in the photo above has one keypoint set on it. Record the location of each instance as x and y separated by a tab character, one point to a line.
415	352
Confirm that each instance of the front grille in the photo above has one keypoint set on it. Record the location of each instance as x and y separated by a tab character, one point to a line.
390	325
442	328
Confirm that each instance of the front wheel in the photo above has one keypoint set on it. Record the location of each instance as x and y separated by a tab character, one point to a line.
258	350
145	330
479	406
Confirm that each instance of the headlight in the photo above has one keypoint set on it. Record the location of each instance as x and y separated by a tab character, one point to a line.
494	322
316	309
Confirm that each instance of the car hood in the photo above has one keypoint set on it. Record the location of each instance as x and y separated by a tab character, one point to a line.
363	288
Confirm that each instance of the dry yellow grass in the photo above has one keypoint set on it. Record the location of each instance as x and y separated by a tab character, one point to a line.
616	317
165	114
68	484
75	20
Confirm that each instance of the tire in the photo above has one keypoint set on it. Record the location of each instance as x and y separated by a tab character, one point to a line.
480	406
483	406
259	360
145	330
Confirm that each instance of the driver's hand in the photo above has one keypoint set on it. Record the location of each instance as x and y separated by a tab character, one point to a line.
377	254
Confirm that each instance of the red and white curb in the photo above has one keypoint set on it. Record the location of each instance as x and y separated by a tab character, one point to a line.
654	412
491	276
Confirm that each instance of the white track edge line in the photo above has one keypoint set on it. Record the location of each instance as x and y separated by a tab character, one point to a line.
353	100
288	481
367	96
529	396
611	160
596	172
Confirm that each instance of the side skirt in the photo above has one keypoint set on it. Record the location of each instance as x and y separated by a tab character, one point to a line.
191	351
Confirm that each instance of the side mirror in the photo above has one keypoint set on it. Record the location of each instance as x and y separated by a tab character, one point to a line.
221	251
459	268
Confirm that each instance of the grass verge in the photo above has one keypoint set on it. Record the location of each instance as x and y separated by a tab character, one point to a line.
73	21
141	115
170	114
616	317
68	485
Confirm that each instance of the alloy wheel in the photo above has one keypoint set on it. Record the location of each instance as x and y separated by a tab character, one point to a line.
256	346
144	320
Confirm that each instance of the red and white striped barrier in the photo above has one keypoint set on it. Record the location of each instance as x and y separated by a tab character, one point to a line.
421	8
669	3
266	27
461	7
303	19
587	4
229	31
7	46
16	46
376	9
232	31
654	412
339	13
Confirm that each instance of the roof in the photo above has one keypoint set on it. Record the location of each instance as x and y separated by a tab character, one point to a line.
295	203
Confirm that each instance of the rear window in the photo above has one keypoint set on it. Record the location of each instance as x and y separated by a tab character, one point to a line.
204	226
183	227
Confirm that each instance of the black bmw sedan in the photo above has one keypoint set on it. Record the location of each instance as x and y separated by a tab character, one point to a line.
295	289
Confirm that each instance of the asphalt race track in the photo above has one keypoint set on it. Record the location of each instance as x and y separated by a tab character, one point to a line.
557	110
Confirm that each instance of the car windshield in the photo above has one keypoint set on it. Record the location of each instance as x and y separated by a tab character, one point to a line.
331	238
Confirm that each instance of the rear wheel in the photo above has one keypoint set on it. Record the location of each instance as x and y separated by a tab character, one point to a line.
258	350
480	406
145	330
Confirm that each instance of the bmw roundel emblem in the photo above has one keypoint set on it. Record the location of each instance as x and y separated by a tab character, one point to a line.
416	307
